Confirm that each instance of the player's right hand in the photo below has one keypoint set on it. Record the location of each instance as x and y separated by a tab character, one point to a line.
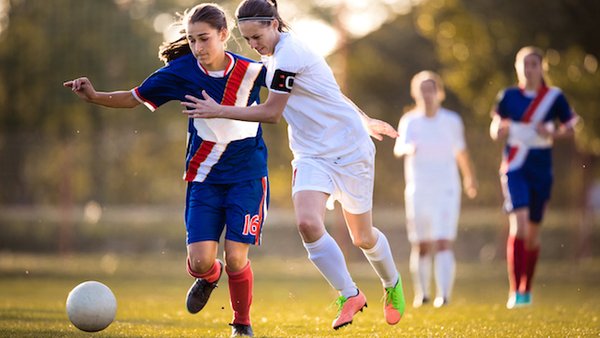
82	87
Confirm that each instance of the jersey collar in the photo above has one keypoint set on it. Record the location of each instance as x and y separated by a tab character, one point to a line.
219	73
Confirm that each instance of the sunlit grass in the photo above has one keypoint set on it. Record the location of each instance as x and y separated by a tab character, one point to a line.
291	299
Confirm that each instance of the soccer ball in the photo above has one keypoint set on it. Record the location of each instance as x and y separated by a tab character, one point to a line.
91	306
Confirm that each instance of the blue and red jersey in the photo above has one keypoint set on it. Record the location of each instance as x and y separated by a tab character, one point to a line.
525	111
218	150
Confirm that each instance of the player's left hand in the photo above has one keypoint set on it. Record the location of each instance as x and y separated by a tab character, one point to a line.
198	108
377	129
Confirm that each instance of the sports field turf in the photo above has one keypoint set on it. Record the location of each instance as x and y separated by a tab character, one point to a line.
291	300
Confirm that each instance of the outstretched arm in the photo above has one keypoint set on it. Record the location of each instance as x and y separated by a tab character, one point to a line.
83	88
268	112
376	128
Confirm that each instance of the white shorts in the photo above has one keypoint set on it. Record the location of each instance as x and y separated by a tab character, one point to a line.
432	216
347	179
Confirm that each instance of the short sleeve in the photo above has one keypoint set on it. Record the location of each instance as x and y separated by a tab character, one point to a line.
158	89
500	105
562	109
459	134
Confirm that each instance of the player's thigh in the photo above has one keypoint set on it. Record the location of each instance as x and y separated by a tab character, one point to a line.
246	208
445	214
541	188
354	183
310	174
515	189
204	212
418	217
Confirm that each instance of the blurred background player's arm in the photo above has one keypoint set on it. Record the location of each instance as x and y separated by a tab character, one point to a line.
469	180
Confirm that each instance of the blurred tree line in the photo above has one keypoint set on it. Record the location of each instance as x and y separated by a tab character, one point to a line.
56	149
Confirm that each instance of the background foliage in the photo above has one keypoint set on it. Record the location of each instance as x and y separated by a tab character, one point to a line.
55	149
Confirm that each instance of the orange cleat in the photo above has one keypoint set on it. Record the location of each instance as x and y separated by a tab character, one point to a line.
347	308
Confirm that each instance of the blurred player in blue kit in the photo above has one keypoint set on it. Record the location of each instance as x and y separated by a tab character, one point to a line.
431	139
333	154
524	117
226	162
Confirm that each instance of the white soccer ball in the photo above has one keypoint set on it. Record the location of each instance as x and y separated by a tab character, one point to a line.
91	306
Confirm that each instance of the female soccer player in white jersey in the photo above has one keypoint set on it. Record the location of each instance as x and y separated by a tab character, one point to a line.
524	117
226	163
432	140
333	154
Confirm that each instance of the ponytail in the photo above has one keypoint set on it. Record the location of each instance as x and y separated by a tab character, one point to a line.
170	51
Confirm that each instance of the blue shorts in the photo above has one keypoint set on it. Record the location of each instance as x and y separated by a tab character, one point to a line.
526	188
241	206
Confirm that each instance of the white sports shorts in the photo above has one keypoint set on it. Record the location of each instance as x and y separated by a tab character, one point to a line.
347	179
432	216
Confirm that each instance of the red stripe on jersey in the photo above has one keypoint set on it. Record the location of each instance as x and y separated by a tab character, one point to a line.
137	92
260	210
536	102
199	157
512	151
234	82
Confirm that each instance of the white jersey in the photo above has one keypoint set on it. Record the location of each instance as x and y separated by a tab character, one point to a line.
321	122
436	141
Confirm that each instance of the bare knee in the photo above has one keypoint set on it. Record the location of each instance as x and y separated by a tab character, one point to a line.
443	245
364	240
423	248
200	264
235	260
310	228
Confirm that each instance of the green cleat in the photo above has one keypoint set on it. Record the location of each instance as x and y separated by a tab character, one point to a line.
394	304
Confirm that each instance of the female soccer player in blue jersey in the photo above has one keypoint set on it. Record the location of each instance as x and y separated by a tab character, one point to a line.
226	162
333	154
524	118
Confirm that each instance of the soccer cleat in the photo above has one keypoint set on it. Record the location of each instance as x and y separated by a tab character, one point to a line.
518	299
394	304
241	330
200	291
420	301
523	299
347	308
440	301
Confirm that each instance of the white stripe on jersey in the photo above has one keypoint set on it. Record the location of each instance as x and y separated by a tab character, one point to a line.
226	130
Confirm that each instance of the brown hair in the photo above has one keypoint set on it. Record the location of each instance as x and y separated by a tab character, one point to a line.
209	13
263	10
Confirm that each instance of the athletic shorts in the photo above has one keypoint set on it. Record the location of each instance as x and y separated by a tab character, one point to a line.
242	207
524	188
348	179
432	216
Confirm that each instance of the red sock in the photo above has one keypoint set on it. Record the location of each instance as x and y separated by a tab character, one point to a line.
241	284
532	258
212	275
515	260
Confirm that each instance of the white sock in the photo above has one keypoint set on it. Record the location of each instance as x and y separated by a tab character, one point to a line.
445	266
382	261
420	268
327	256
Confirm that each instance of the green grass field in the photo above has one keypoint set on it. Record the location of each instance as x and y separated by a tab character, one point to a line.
291	299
